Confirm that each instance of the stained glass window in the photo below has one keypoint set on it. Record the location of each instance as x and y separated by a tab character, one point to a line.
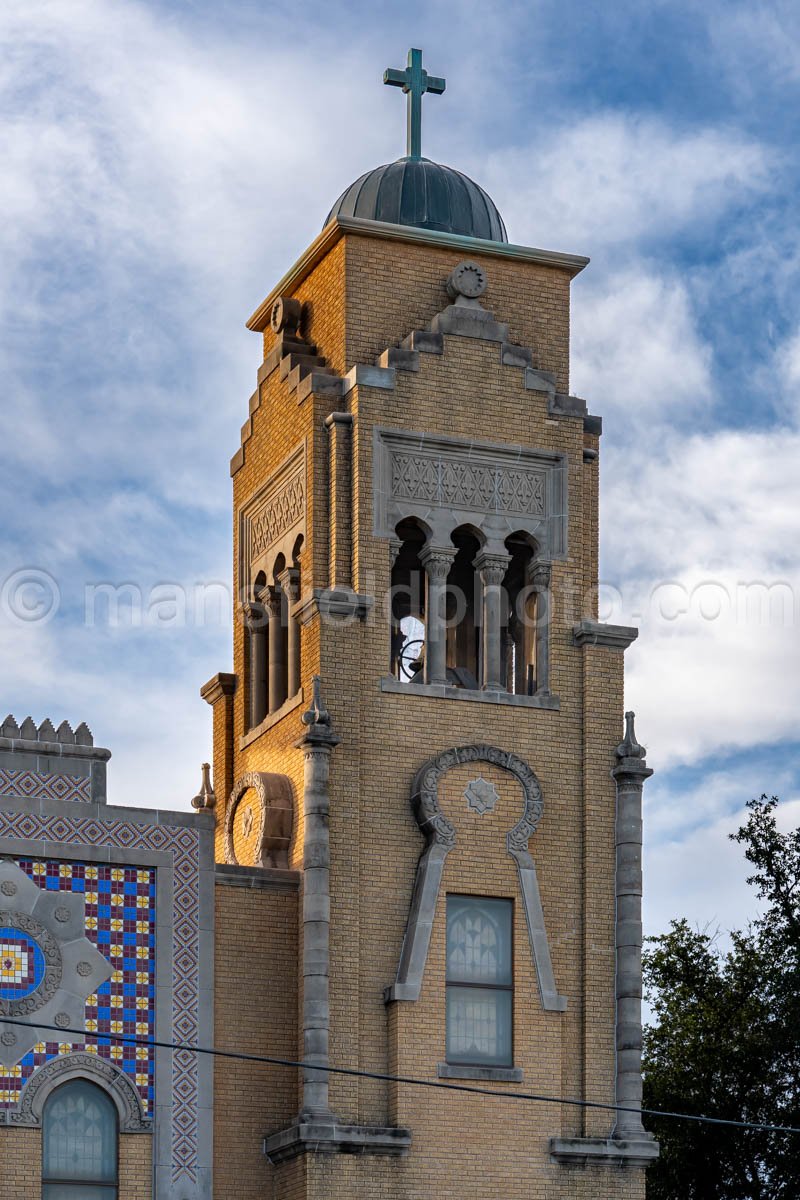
479	981
79	1144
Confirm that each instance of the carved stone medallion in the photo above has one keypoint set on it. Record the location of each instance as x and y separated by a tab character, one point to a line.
481	795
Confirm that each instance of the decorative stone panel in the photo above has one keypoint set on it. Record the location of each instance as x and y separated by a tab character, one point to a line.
446	482
258	820
440	836
273	518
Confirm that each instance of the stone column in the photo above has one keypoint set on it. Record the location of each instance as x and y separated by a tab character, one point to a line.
437	561
340	428
255	620
290	585
539	577
273	602
316	744
630	773
492	569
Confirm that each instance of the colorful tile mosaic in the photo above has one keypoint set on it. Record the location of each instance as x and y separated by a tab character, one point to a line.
183	844
120	907
51	787
21	964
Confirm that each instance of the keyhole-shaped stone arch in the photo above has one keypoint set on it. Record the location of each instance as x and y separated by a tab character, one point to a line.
440	838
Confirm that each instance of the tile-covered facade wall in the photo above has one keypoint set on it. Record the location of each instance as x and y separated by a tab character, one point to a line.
148	879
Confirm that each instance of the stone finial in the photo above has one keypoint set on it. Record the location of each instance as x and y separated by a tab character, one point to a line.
285	315
629	747
319	730
28	730
317	714
467	281
65	735
206	797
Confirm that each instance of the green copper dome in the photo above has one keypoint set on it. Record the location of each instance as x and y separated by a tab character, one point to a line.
425	194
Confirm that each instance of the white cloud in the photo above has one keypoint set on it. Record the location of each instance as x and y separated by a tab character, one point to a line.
636	351
692	869
612	180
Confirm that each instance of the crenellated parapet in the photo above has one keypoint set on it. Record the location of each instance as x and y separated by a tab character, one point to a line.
45	762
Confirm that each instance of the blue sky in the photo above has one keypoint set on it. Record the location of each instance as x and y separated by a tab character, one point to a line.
164	163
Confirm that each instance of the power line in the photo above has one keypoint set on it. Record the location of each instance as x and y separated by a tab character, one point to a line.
407	1080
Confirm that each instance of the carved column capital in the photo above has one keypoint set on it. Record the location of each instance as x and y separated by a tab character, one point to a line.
437	561
289	581
272	598
254	616
539	575
492	568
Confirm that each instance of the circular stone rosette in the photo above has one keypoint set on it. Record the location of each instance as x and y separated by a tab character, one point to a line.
30	964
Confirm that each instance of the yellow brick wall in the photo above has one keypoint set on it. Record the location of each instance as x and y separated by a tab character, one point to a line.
394	287
21	1165
135	1167
255	1011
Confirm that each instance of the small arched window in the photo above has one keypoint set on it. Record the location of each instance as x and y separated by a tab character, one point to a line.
79	1144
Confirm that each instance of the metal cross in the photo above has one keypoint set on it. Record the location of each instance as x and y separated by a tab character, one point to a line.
415	82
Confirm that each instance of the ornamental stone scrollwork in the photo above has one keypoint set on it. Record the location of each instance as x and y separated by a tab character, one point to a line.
446	482
440	837
47	964
271	814
81	1066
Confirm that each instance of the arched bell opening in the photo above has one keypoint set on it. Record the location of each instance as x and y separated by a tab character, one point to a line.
462	611
526	617
257	650
408	603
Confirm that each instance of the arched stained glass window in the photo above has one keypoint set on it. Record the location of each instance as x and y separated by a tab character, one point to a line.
479	981
79	1144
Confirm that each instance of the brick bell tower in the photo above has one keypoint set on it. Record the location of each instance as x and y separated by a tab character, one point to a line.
428	826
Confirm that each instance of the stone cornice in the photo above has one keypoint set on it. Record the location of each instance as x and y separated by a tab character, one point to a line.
604	1152
332	233
594	633
54	749
219	685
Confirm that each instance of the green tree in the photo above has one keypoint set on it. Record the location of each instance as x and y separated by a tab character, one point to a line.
724	1039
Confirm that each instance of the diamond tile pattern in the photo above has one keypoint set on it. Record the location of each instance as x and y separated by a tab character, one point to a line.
52	787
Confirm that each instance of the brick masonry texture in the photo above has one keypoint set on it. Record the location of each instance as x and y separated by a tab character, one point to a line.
366	295
21	1165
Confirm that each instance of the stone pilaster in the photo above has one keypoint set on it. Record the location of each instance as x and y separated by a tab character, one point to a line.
340	428
316	744
630	773
492	569
539	577
437	561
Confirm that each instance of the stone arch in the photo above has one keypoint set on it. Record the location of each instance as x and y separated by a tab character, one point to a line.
274	816
114	1082
440	837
